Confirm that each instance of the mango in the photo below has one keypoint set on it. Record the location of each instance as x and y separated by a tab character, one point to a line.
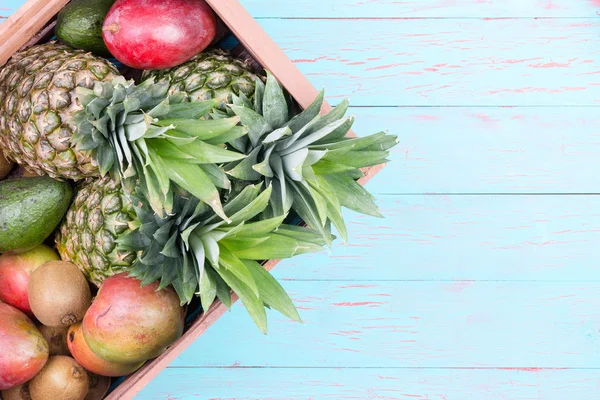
15	271
128	323
24	349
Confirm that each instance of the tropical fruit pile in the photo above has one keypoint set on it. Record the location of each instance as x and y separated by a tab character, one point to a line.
127	199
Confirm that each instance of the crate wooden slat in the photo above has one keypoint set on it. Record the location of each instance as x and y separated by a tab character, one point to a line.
25	23
32	23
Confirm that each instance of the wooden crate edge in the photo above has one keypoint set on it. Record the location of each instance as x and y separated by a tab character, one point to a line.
28	20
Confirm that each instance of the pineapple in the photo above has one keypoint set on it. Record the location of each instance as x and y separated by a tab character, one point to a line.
69	114
307	157
190	178
99	215
312	165
213	74
144	137
193	249
37	101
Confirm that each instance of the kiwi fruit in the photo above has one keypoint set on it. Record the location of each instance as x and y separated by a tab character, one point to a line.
99	386
59	294
5	166
57	339
20	392
61	378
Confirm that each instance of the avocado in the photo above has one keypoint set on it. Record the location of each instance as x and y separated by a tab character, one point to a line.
30	210
79	25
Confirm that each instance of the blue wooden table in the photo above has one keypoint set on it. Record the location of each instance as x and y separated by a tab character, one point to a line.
483	281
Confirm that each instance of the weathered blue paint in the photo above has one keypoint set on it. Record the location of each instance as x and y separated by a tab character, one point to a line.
447	62
428	324
408	8
487	150
452	296
445	238
375	384
7	7
422	8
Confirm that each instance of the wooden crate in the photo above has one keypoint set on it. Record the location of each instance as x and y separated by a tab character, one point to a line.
32	24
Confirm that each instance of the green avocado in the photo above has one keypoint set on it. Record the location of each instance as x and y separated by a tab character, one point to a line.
79	25
30	210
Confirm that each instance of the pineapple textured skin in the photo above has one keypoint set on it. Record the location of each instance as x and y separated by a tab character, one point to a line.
88	236
214	74
37	100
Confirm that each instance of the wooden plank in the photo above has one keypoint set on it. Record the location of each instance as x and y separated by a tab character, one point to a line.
421	8
415	324
379	383
508	238
487	150
24	23
447	62
406	9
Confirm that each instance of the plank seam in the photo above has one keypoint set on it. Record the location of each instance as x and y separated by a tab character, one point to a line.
488	194
444	280
489	18
526	369
478	106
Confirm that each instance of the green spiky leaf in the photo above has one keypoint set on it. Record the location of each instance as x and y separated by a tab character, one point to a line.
306	157
271	292
193	179
253	304
134	131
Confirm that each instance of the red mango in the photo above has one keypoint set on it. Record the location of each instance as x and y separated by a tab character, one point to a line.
24	350
82	353
15	271
129	324
158	34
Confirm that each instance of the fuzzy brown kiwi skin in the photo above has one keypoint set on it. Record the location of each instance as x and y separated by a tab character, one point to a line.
61	378
20	392
59	294
99	386
57	339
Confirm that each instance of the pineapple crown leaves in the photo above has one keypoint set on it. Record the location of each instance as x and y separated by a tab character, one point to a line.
310	163
143	136
197	252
